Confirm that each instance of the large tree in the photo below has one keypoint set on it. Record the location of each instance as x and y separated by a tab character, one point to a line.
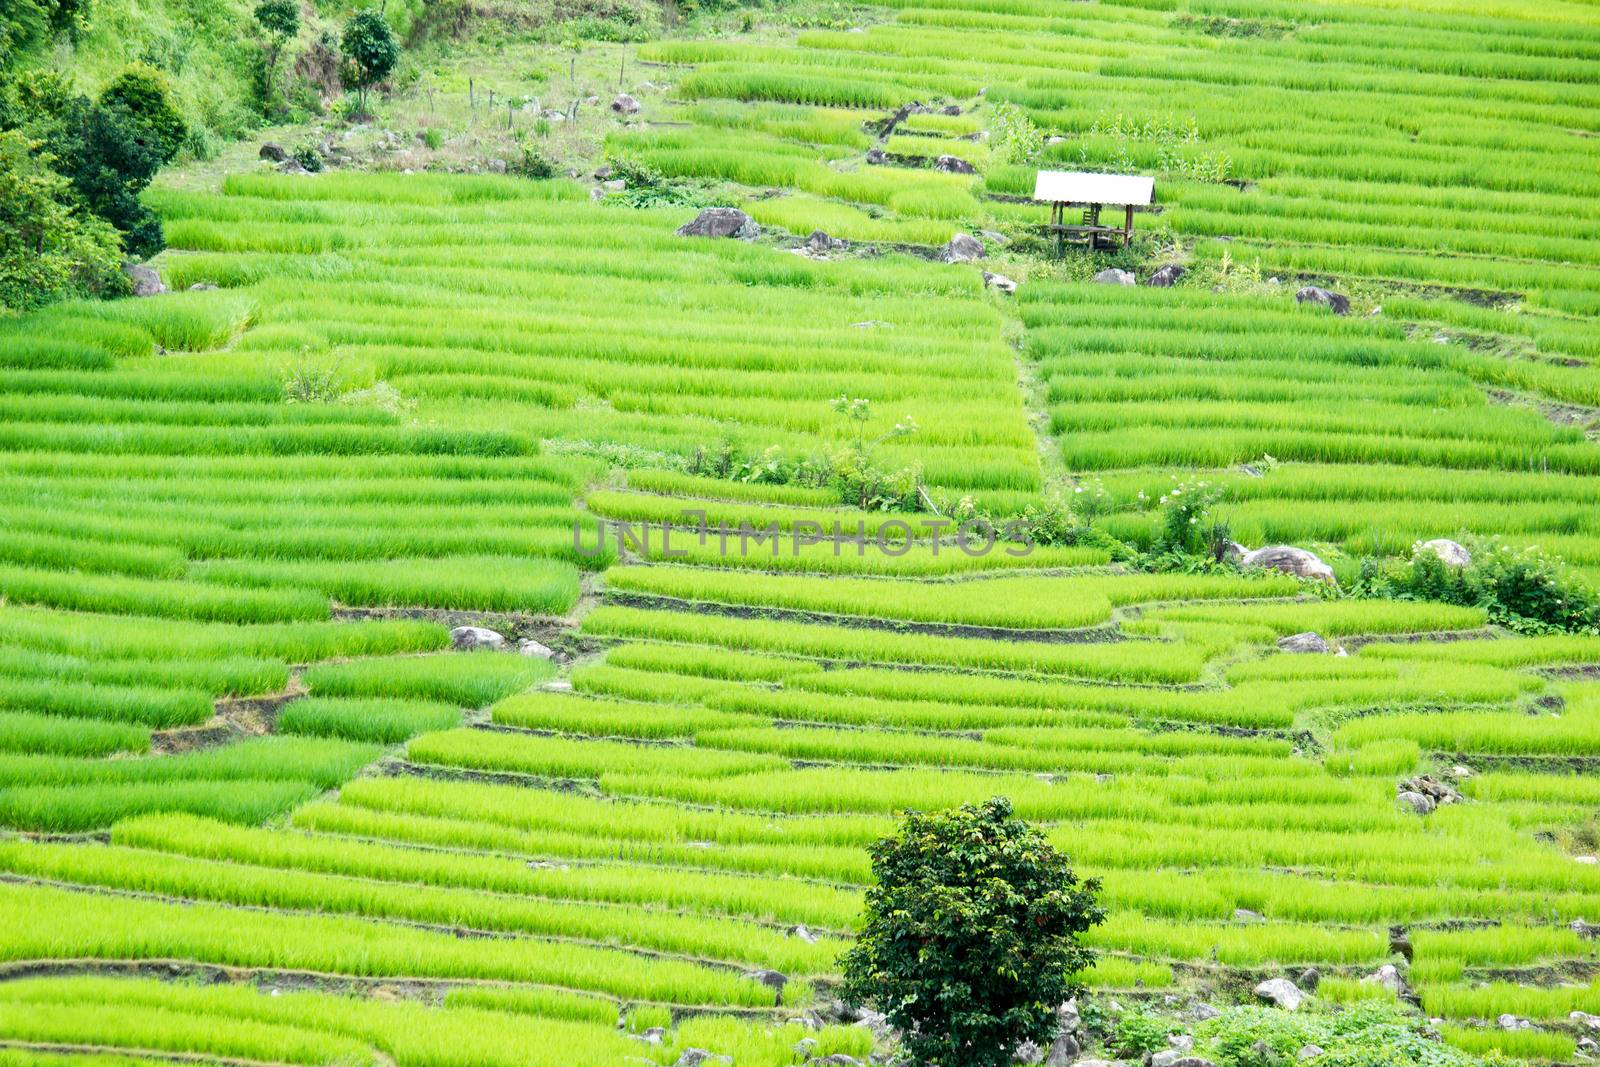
970	939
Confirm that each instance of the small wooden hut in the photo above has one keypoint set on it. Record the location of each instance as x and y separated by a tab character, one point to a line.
1064	189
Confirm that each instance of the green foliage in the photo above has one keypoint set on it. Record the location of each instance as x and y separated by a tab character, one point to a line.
279	21
970	936
111	148
370	52
48	252
1016	138
1368	1034
1138	1032
1520	588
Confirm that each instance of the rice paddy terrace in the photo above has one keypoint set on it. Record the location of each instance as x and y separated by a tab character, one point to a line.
236	744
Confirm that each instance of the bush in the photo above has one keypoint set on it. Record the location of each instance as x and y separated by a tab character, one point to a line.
1520	589
48	252
970	937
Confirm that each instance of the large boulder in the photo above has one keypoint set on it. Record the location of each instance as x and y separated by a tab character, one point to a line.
721	222
963	248
954	165
1311	294
625	105
1451	553
1063	1051
1115	276
1289	560
473	638
1165	276
144	279
1310	641
1282	992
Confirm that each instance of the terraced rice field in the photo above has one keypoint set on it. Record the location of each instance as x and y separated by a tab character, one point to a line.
240	523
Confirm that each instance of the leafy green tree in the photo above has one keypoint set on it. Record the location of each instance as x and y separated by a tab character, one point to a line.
280	22
48	252
370	53
970	938
112	148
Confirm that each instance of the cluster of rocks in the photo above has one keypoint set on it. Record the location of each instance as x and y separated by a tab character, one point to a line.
1163	277
1424	793
481	638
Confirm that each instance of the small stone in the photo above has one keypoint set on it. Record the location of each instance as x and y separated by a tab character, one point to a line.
954	165
1282	992
472	638
1308	1052
602	173
653	1035
876	156
803	934
1245	915
1584	1019
497	166
625	105
1000	282
614	185
1309	979
820	243
950	109
529	647
1115	276
1203	1012
273	152
1027	1053
1508	1021
202	287
1180	1042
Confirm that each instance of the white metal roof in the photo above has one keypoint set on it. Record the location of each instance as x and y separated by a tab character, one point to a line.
1075	187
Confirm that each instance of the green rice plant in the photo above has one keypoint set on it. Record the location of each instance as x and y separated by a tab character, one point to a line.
95	805
709	663
1376	758
141	705
1022	602
278	888
484	583
25	732
570	714
547	1003
616	882
118	928
471	681
386	720
1519	1044
1142	661
562	758
76	591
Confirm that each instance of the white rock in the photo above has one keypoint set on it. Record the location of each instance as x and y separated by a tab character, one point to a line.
1451	553
470	638
1282	992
